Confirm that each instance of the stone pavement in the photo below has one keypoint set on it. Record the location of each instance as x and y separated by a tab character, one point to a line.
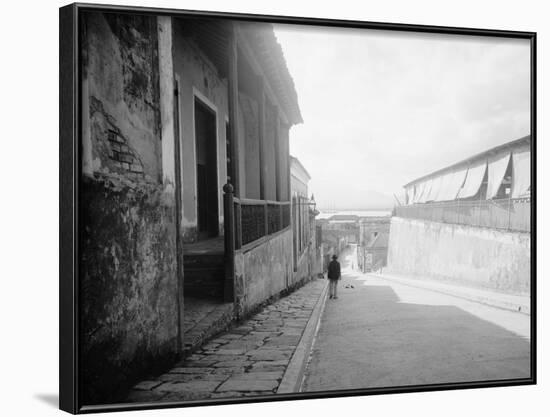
250	359
203	319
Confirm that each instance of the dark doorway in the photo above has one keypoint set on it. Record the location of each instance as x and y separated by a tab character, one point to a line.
207	171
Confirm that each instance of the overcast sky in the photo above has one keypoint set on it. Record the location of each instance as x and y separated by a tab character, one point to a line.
382	108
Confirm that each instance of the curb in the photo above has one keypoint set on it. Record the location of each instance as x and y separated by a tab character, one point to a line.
518	307
294	374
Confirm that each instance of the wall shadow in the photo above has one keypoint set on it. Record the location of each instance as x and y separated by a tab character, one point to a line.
369	338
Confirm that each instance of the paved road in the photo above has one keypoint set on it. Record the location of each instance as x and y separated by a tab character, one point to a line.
382	334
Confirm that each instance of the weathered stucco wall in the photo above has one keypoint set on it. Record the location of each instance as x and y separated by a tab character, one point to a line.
128	286
479	257
198	77
263	271
128	305
120	76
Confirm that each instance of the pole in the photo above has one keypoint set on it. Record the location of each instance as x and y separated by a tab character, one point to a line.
510	196
229	241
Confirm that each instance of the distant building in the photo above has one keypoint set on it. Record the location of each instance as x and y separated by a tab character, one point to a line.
491	189
469	223
372	250
343	218
307	251
338	230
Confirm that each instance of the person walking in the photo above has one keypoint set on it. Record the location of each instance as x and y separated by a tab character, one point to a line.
333	276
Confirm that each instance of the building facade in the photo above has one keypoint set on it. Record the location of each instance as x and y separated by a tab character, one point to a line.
186	186
307	250
372	250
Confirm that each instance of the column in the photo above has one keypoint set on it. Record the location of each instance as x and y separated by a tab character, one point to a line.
233	104
262	137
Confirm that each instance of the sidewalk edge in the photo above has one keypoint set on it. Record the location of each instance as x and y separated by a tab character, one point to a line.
292	378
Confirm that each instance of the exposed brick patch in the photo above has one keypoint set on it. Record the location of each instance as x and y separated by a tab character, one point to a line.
122	153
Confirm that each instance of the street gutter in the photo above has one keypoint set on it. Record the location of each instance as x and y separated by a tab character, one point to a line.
294	374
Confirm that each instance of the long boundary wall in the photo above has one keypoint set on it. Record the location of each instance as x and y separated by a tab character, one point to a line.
266	270
473	256
263	271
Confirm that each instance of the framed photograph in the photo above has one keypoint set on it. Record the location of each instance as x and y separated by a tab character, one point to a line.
263	208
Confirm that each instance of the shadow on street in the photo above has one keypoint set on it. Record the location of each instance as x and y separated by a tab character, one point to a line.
370	338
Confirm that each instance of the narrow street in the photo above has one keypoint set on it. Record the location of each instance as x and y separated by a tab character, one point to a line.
382	333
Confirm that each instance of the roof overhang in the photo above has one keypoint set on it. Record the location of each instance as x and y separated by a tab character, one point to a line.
526	140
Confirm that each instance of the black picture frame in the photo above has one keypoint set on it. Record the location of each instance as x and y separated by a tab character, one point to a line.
70	203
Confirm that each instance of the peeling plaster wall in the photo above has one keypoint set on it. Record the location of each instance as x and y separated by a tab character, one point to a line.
128	285
263	271
474	256
120	66
196	73
128	305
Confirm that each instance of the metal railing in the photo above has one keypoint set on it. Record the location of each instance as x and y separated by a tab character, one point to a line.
503	214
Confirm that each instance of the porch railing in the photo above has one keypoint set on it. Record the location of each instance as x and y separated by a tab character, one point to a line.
503	214
254	219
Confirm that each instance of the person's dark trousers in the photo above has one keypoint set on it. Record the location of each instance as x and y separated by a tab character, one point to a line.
333	288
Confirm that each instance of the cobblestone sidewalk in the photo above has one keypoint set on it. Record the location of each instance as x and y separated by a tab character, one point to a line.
250	359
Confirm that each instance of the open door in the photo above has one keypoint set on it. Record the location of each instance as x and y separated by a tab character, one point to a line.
207	171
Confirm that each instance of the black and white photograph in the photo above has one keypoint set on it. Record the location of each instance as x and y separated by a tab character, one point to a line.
270	209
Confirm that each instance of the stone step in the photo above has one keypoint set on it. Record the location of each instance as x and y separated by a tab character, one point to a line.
204	275
203	261
205	282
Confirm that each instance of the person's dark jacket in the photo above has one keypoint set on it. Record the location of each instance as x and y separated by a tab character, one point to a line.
334	270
